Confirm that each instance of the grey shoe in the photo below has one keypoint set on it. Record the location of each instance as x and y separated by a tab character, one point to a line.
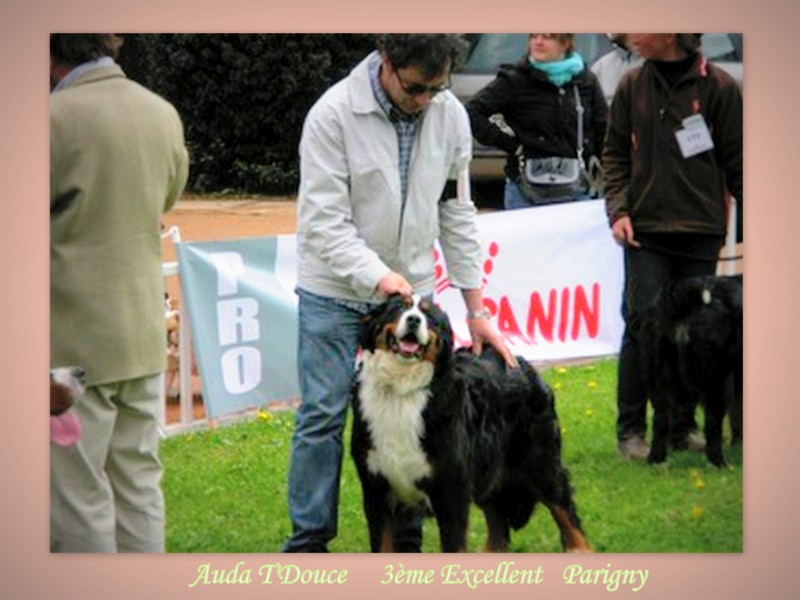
634	447
693	441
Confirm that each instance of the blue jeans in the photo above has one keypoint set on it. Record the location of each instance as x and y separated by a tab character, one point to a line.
327	345
514	198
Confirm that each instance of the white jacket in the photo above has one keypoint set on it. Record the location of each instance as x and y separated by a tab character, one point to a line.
352	229
610	68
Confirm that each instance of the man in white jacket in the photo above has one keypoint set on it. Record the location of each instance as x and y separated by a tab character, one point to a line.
384	159
610	67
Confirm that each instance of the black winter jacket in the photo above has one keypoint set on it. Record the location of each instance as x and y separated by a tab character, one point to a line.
647	177
541	115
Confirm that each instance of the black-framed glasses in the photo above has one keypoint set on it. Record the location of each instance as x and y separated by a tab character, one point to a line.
418	89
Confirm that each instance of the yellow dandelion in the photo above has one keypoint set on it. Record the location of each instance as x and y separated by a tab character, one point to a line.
265	416
557	385
697	512
699	484
589	411
591	384
561	370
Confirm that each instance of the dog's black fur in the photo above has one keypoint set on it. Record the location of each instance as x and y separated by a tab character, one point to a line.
490	436
691	341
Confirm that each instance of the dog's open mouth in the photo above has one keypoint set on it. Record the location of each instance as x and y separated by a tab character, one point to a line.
408	346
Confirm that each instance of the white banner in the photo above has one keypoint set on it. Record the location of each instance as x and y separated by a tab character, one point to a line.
553	281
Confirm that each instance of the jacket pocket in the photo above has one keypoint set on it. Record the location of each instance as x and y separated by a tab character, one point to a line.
375	204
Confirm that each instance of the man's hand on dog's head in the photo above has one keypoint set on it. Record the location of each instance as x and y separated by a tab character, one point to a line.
394	283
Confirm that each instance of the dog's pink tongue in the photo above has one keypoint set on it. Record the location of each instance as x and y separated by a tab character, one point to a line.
65	429
409	347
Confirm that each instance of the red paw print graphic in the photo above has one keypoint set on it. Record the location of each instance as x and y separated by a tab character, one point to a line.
488	264
443	281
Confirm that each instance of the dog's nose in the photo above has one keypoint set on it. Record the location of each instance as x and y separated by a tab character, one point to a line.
79	374
413	322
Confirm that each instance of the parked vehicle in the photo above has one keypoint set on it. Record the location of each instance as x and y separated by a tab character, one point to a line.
490	51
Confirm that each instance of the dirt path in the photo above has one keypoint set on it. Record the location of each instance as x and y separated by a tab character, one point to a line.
205	220
201	220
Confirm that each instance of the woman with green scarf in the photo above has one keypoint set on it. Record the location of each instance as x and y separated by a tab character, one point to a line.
548	100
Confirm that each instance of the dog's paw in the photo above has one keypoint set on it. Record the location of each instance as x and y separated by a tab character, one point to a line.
716	458
657	457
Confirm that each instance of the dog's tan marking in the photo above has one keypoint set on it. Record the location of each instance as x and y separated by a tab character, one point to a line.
496	541
387	539
382	341
434	345
572	538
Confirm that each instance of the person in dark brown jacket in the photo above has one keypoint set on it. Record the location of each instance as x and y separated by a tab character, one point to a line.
673	153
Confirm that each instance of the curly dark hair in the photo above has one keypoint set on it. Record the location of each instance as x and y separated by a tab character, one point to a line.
431	53
77	48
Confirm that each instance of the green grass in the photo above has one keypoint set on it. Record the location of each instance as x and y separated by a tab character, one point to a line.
226	489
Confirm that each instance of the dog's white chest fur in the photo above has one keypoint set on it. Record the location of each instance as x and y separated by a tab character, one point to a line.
393	393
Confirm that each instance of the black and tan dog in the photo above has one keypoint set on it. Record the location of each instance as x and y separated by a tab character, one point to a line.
435	430
691	341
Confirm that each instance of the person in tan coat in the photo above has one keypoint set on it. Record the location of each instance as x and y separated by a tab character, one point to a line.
118	161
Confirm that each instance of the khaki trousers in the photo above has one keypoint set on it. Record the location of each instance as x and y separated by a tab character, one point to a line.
105	492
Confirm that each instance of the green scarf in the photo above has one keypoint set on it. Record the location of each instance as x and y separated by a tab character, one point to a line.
561	71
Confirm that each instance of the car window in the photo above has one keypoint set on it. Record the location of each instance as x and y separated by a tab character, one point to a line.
722	46
491	50
488	51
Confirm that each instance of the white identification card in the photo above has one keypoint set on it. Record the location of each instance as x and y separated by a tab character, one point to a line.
694	138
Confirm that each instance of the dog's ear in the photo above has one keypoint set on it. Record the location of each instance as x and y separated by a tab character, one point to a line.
366	332
444	339
372	322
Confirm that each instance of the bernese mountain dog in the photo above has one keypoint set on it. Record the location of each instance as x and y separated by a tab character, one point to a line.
691	347
66	386
435	430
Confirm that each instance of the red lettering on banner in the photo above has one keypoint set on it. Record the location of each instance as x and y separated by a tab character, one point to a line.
507	322
590	315
571	308
562	326
538	316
